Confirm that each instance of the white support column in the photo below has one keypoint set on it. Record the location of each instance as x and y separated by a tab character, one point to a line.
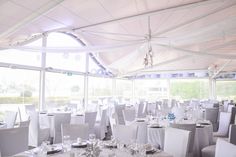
212	88
42	105
114	88
133	91
85	102
168	93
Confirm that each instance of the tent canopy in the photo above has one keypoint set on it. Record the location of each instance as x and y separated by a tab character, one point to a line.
180	34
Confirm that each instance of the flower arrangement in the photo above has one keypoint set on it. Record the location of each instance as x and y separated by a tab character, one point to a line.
171	116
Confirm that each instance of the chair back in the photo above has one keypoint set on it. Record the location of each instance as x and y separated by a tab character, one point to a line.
233	113
126	134
141	113
24	123
10	118
119	111
211	114
129	114
226	104
224	123
224	148
176	142
13	141
230	108
75	131
188	127
232	134
59	119
90	119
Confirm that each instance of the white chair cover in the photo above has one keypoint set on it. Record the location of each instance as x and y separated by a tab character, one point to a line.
141	111
223	124
59	119
100	127
211	114
226	104
232	134
125	134
230	108
36	134
176	142
24	123
10	118
225	149
13	141
129	114
119	112
90	119
178	112
188	127
112	121
75	131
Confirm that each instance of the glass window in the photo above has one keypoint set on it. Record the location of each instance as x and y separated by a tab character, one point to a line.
17	88
181	89
22	57
66	60
99	88
61	89
151	89
226	90
124	89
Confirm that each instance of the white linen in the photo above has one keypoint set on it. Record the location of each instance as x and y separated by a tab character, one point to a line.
224	148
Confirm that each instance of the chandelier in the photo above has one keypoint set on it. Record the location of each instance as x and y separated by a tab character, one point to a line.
148	58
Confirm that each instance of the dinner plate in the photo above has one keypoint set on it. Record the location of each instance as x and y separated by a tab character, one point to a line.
53	151
204	123
79	145
108	145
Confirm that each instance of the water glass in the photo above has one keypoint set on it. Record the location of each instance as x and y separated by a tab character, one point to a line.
66	143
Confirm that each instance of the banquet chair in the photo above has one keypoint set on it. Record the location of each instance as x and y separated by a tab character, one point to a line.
209	151
90	119
141	110
59	119
75	131
225	149
37	134
113	121
119	112
188	127
100	126
176	142
232	134
13	141
224	123
225	105
230	108
24	123
151	108
10	118
125	134
211	114
233	113
129	115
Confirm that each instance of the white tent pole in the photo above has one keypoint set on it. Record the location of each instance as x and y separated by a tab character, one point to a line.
172	8
194	20
86	82
42	105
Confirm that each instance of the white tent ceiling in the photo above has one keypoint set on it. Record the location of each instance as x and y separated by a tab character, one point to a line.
185	34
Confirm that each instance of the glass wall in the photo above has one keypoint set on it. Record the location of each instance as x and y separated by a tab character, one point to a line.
226	90
123	89
17	88
99	88
182	89
151	89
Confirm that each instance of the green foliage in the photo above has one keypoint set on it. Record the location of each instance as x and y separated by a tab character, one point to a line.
189	89
18	100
